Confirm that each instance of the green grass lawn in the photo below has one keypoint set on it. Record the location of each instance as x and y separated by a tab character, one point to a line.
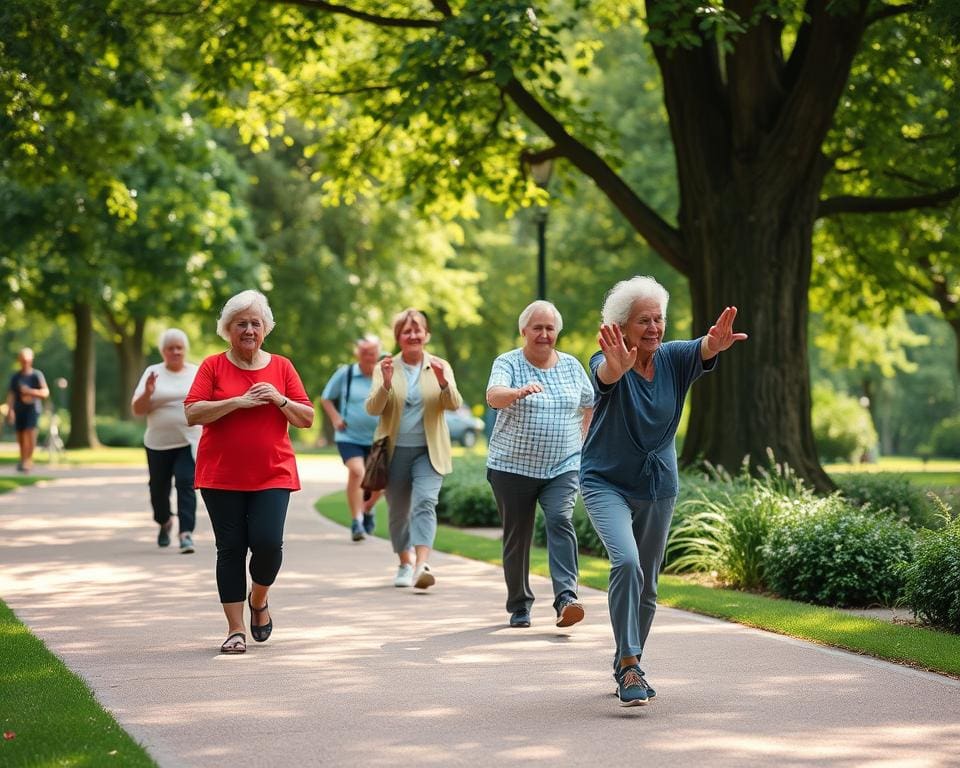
18	481
907	465
914	646
48	716
82	457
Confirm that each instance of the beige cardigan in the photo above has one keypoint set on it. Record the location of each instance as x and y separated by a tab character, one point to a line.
388	405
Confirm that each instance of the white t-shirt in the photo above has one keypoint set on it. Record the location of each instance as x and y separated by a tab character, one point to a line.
166	423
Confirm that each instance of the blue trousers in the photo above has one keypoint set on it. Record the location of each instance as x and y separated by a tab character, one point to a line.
517	497
634	531
413	488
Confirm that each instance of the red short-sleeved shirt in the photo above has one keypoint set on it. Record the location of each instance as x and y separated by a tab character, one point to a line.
248	449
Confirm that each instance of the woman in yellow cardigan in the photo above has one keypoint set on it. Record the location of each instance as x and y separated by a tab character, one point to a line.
410	392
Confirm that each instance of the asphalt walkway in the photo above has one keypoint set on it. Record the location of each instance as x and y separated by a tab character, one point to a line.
361	673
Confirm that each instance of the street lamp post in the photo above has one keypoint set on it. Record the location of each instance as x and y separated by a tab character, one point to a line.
541	171
542	253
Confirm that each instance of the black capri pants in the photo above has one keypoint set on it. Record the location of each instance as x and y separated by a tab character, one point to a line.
246	520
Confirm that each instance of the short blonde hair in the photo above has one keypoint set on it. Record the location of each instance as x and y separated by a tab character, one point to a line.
537	305
401	318
618	304
242	302
172	334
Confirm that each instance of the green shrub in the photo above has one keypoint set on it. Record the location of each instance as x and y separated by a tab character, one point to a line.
120	434
932	578
946	437
884	492
842	428
825	551
466	498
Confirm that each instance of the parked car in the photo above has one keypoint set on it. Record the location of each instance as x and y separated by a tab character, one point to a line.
464	426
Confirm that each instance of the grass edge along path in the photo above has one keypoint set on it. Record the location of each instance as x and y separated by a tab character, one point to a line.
49	716
913	646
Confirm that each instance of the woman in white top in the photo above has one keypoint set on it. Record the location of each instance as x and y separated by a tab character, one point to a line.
171	445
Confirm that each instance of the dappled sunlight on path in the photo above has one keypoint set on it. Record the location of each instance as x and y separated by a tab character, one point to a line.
361	673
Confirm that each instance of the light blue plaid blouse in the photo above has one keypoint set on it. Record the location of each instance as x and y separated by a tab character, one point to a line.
539	435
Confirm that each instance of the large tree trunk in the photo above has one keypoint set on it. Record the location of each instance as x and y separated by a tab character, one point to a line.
83	432
750	248
129	349
747	131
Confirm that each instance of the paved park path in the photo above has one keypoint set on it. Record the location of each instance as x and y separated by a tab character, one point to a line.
359	673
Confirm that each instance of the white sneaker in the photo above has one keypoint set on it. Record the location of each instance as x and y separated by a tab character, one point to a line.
422	578
404	576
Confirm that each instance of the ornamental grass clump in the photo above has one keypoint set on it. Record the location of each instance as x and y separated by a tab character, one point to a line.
932	579
725	536
828	552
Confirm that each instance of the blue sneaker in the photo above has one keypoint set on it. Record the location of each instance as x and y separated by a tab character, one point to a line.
631	687
356	531
651	693
520	618
369	522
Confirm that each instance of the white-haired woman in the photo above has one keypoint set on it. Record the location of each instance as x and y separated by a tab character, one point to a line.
171	443
544	401
628	474
246	398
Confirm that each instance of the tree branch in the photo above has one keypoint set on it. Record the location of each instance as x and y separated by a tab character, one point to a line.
372	18
887	11
853	204
662	237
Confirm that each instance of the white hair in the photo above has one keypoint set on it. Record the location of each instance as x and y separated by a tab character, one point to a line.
367	338
243	301
618	304
172	334
538	305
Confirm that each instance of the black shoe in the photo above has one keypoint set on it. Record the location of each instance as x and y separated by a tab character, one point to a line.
369	523
260	632
569	610
520	618
356	531
163	538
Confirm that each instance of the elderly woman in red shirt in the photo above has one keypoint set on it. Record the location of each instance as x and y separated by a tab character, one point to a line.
245	398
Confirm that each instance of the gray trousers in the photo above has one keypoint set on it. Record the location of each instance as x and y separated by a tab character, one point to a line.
413	487
634	531
517	497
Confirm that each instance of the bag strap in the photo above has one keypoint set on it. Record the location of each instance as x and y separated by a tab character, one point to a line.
345	397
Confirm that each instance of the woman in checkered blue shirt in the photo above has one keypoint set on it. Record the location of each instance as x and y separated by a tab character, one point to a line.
544	401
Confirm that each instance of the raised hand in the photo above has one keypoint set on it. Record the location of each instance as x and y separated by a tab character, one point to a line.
150	385
439	372
386	368
617	358
721	335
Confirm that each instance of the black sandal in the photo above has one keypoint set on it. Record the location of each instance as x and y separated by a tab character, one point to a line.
236	643
260	632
